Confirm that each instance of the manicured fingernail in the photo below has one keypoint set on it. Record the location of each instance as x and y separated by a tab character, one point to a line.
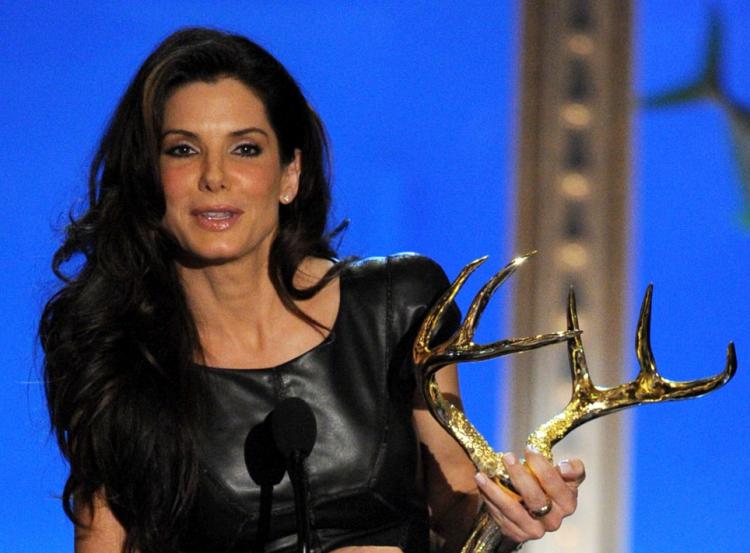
565	467
532	449
509	459
481	479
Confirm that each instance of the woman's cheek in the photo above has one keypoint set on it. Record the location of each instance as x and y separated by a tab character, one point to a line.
175	182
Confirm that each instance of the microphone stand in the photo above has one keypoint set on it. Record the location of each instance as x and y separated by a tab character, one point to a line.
294	432
301	489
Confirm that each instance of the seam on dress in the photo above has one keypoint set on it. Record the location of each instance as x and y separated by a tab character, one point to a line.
229	495
383	376
279	389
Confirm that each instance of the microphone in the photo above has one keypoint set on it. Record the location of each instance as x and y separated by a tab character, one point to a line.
266	466
294	432
294	427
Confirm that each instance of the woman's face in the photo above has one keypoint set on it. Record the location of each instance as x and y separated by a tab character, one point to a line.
221	172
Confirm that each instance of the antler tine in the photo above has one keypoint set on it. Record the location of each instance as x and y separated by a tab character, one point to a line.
643	350
461	347
480	301
579	369
651	386
662	389
731	366
589	402
582	395
573	313
466	350
430	324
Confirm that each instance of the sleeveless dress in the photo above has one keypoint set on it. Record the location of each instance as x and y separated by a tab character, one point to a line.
364	470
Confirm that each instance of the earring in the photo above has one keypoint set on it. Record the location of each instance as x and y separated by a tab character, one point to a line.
285	199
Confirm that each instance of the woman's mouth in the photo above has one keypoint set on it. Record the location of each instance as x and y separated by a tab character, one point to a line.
216	218
213	215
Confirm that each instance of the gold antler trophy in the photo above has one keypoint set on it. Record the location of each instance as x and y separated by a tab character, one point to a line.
587	401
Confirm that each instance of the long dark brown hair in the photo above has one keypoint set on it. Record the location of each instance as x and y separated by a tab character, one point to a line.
118	336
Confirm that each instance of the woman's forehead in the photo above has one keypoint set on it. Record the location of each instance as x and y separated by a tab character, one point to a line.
225	102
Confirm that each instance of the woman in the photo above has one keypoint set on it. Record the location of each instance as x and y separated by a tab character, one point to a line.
208	292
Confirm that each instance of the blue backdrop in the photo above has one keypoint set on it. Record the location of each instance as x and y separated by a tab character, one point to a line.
420	104
688	471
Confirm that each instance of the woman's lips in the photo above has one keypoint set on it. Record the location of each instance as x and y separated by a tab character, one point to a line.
216	218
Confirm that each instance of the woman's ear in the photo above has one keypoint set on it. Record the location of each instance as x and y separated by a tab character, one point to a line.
290	178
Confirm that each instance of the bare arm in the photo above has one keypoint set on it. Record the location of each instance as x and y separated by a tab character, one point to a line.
101	533
452	494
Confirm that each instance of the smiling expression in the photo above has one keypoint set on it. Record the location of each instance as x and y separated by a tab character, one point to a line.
221	172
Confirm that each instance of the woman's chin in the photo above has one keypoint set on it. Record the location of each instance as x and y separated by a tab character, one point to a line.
203	259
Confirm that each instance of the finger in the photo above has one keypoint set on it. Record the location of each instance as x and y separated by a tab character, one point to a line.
539	506
507	527
572	471
552	482
508	511
532	498
525	483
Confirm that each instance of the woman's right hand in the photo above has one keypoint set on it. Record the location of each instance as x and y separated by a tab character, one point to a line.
546	495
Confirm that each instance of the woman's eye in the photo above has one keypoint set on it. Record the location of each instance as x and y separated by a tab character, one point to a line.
248	150
180	150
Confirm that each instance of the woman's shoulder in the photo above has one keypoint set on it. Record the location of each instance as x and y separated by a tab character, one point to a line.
403	267
409	276
404	286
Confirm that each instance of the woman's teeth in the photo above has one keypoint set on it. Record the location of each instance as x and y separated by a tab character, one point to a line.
216	214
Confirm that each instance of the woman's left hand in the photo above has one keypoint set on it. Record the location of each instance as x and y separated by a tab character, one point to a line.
548	494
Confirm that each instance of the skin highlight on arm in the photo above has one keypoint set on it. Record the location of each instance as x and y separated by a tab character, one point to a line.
101	532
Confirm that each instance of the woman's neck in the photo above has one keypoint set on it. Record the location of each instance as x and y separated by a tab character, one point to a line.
242	321
232	302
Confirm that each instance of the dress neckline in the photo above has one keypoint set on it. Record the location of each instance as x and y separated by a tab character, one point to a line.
325	342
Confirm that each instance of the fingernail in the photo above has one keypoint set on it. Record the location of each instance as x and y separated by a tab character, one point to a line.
481	479
565	467
509	459
532	449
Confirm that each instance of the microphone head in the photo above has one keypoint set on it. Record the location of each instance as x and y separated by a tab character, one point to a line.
264	462
294	427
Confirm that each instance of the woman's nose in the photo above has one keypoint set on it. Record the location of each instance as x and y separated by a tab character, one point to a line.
212	178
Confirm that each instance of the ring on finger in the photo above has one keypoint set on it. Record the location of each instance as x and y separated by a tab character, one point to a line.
542	511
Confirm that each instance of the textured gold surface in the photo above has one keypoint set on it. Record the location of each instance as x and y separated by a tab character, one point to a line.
587	400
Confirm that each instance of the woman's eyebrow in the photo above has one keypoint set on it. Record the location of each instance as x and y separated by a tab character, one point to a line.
182	132
240	132
248	131
190	134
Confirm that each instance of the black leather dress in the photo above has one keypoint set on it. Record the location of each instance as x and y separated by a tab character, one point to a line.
365	466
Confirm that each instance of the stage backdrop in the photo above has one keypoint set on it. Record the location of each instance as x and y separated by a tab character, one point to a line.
419	103
693	243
